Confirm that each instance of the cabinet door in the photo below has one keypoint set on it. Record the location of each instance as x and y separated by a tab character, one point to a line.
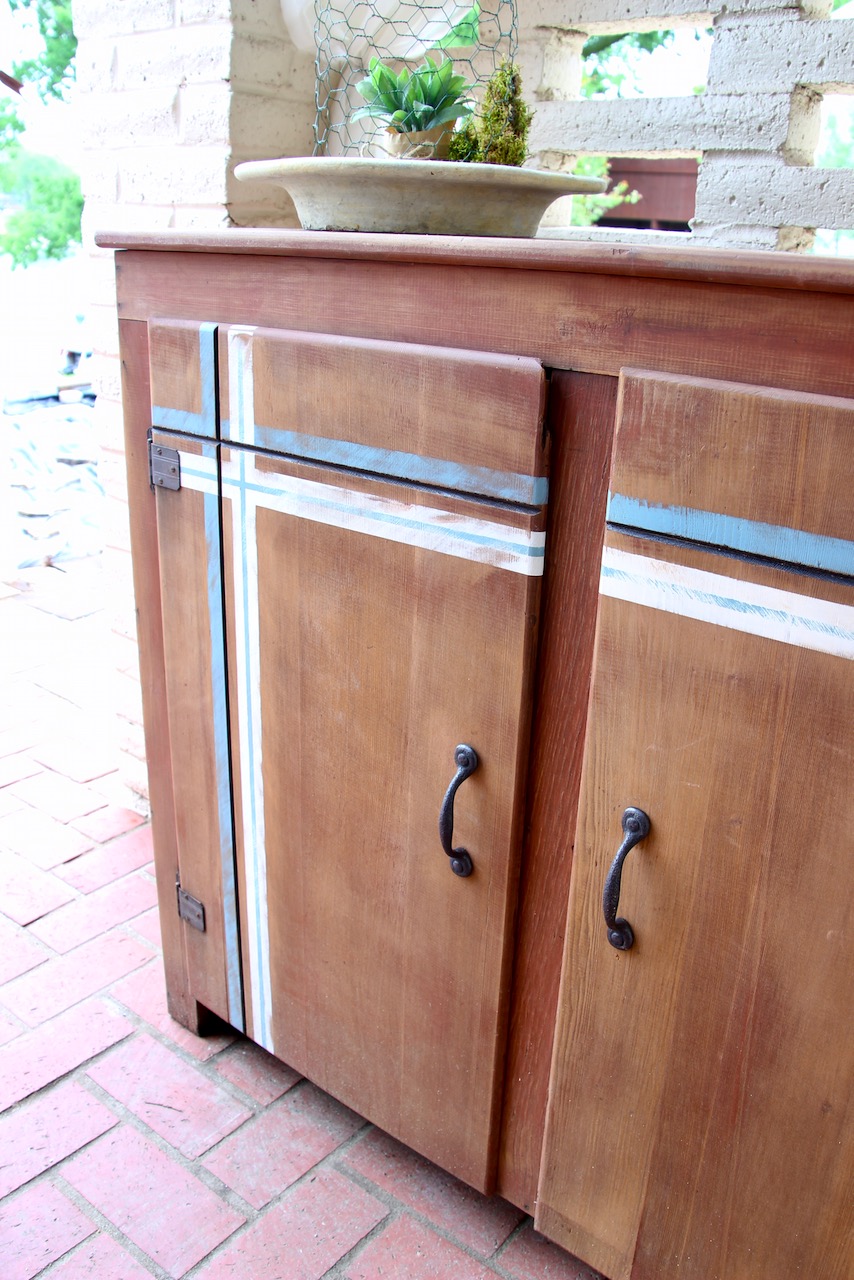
185	480
188	532
699	1113
375	625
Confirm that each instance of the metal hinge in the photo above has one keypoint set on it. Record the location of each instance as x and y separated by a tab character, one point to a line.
189	908
164	466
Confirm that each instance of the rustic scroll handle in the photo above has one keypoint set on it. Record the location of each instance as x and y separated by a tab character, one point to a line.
465	758
636	826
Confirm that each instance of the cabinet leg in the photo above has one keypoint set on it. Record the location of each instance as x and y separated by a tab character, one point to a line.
192	1015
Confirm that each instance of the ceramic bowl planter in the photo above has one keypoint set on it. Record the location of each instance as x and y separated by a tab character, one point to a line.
420	197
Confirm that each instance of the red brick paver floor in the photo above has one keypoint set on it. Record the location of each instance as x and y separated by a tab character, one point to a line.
129	1147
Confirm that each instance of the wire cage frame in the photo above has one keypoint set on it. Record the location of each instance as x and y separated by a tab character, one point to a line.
401	33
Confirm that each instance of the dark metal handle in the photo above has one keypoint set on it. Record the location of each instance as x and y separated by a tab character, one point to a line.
636	826
465	758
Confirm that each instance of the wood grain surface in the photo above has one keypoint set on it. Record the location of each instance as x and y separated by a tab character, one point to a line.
388	975
468	408
751	453
794	339
697	1113
175	370
136	399
188	598
580	424
675	261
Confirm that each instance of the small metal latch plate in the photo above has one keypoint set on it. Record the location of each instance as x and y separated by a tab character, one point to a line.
165	467
190	909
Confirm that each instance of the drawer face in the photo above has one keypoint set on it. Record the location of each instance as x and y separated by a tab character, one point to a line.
750	469
466	421
183	381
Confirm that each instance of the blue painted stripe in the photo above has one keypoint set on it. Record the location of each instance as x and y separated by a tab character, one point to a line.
181	420
207	372
509	486
255	780
775	542
371	513
222	761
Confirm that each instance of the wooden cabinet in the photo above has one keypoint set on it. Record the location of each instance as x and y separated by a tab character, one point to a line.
362	569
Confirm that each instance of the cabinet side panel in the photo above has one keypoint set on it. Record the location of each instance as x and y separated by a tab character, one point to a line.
581	420
136	399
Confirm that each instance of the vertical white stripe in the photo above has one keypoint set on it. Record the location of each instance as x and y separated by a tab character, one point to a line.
242	414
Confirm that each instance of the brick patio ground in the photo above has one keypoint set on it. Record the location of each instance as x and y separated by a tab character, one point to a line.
131	1148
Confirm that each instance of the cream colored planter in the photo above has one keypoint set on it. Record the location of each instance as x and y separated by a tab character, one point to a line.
424	144
422	197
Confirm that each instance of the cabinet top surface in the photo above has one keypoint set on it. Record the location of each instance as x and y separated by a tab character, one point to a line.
769	270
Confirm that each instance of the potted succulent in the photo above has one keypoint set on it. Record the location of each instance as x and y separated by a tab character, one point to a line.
479	189
418	108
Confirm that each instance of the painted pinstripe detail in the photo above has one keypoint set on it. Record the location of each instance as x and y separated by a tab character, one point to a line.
485	541
783	616
181	421
776	542
222	762
185	421
248	658
506	486
509	486
199	473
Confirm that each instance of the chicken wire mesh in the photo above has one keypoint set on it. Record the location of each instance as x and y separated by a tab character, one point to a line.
401	33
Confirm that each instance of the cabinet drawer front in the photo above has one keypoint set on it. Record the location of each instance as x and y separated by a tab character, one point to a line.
182	361
751	469
459	420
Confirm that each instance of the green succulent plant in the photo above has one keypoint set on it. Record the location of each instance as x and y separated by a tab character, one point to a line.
412	101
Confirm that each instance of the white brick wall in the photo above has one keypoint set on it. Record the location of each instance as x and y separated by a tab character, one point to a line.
755	128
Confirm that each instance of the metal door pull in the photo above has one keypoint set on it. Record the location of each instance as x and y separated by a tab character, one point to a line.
465	758
636	826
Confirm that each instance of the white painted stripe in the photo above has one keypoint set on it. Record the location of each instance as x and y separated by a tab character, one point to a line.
446	532
783	616
484	541
248	658
199	473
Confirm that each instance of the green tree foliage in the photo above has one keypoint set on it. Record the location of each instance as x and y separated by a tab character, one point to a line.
606	69
605	59
52	70
42	200
46	204
11	124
